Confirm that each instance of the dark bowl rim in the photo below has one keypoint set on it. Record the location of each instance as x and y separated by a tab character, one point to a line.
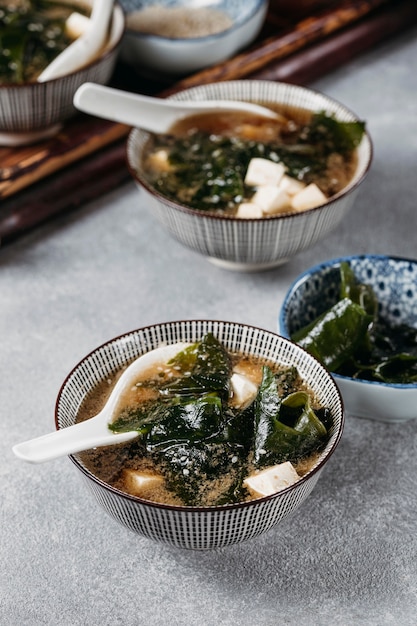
205	509
237	23
317	269
350	188
108	51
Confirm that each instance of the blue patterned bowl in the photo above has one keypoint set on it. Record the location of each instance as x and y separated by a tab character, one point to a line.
257	243
182	56
199	528
394	281
34	111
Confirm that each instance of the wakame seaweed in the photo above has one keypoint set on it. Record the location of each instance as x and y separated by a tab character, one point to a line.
352	339
193	433
32	34
208	170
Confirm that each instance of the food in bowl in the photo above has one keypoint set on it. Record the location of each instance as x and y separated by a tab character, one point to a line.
353	339
215	427
256	243
178	37
244	165
35	109
193	527
33	33
377	383
177	22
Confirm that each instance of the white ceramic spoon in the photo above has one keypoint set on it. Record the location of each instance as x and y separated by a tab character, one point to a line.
86	47
95	432
156	115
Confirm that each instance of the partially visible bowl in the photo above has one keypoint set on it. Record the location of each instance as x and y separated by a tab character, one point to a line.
256	243
190	527
180	55
394	281
30	112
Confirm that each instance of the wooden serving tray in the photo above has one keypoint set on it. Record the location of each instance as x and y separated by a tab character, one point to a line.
300	42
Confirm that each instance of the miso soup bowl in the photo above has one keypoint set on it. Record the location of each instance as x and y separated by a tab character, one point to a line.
33	111
259	243
199	528
394	281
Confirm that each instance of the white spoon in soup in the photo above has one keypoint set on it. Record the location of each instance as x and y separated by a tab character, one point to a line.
156	115
95	432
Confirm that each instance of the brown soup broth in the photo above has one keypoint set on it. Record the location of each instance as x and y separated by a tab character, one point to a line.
167	176
111	463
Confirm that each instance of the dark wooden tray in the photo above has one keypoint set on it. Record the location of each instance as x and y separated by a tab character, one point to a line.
300	42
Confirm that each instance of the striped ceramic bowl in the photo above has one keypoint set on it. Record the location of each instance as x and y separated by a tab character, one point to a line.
260	243
194	527
34	111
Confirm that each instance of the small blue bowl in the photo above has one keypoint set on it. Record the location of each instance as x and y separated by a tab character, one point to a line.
394	281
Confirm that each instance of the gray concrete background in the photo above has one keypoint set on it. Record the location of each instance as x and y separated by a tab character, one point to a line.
348	556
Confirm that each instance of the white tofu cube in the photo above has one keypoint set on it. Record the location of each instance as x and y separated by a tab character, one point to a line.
76	25
264	172
271	480
244	390
248	210
159	161
291	185
310	197
272	199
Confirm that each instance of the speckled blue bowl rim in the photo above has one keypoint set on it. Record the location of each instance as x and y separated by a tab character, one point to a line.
237	23
316	269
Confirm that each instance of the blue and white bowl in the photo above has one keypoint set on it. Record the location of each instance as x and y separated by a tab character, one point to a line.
182	56
199	528
34	111
258	243
394	281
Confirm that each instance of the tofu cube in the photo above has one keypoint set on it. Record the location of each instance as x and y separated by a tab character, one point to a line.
272	199
248	210
76	25
291	185
141	484
271	480
159	161
244	390
310	197
264	172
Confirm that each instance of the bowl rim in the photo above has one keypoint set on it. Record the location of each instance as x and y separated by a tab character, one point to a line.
237	23
204	509
317	269
350	188
117	8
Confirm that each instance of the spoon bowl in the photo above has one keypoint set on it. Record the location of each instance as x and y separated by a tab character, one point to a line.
155	115
95	432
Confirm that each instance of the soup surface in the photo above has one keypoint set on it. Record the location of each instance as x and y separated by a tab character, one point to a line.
204	161
206	421
32	34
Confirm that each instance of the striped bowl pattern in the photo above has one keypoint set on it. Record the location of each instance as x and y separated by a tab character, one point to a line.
198	528
36	106
252	243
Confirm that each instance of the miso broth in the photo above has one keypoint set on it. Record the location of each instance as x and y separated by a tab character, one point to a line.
203	161
199	438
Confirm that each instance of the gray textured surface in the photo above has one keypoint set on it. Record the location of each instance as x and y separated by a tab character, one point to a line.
349	556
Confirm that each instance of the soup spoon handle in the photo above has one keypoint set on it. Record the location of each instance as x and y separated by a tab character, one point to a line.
155	115
82	436
86	47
